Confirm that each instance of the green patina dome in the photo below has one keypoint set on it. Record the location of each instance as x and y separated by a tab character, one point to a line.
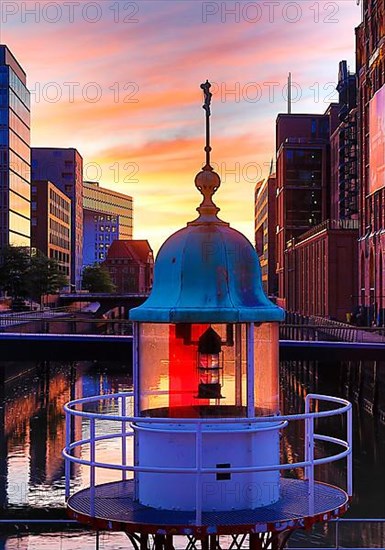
207	272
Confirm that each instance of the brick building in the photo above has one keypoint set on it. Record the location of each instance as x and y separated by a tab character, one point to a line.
317	207
303	179
370	48
265	230
344	155
130	264
321	270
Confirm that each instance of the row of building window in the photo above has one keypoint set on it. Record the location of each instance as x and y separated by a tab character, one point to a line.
102	246
19	224
119	262
59	207
131	270
59	241
62	259
104	237
105	228
19	127
20	166
108	218
19	108
19	146
19	204
96	199
60	256
18	87
58	228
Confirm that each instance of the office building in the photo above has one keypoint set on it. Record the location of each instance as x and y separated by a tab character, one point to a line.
64	168
303	179
107	216
320	264
51	223
15	155
265	223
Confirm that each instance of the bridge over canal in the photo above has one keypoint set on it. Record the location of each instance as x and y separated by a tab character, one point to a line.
107	347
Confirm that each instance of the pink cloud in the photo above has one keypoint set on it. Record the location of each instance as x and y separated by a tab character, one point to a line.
167	54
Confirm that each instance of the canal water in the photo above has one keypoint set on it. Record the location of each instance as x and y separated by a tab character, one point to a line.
32	435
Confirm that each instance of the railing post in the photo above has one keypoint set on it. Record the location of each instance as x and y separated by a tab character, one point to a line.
349	438
67	464
337	535
311	467
309	454
307	410
92	467
250	370
198	461
124	449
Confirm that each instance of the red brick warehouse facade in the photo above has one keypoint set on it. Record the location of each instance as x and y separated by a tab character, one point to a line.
370	47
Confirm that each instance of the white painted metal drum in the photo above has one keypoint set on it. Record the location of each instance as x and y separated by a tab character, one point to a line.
235	445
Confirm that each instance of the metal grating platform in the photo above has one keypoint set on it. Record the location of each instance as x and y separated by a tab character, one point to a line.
116	510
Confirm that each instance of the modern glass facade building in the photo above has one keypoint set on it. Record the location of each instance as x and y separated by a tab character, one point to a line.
15	153
107	216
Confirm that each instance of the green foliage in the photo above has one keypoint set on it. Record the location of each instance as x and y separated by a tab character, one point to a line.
96	278
25	275
14	263
44	277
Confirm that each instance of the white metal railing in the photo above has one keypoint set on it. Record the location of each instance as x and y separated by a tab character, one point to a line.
76	409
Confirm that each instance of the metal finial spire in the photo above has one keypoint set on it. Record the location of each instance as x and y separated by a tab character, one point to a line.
206	106
207	181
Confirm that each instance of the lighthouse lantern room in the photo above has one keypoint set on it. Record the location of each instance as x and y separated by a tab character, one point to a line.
206	425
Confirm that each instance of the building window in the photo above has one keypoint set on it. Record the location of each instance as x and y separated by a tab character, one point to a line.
313	128
259	240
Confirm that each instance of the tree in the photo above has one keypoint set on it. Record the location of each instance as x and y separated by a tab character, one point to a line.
14	263
25	275
96	278
43	277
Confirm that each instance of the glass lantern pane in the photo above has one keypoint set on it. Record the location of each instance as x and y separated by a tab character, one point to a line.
234	367
153	366
176	380
266	361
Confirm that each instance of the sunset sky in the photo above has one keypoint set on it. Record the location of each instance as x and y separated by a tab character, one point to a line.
120	82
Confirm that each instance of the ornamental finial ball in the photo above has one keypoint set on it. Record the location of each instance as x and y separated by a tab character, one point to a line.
207	182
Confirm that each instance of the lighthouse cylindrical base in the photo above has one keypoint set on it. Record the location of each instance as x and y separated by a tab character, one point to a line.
223	446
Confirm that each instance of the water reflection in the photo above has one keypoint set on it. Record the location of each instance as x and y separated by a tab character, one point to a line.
32	428
363	384
32	433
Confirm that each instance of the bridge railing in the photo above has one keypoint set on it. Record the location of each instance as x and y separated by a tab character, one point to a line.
51	318
339	332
